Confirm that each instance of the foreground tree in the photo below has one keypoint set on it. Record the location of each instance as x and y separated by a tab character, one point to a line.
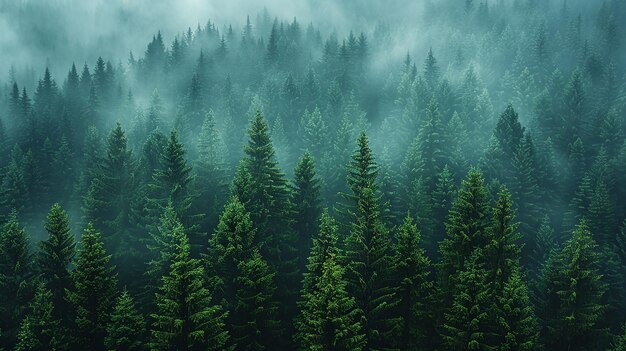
55	256
414	289
40	330
16	274
185	319
571	306
93	294
330	319
127	329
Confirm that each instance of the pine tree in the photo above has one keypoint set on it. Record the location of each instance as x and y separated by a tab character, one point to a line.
543	243
466	324
315	133
516	326
254	316
161	248
572	306
16	274
107	203
93	295
261	186
501	254
431	70
330	318
362	172
369	262
246	283
305	197
414	289
184	318
466	230
212	170
127	329
172	185
40	330
55	256
442	199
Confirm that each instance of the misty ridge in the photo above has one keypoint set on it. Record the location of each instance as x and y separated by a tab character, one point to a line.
312	175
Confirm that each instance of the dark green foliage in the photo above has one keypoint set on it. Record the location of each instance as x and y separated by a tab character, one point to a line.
55	256
467	323
212	173
369	263
553	72
40	330
330	318
16	278
127	329
171	185
107	202
572	288
415	289
306	201
466	230
246	284
184	318
93	293
516	326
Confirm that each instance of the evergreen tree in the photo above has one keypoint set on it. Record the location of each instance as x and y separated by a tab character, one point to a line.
543	243
466	325
93	295
414	289
330	318
516	326
431	70
212	170
16	274
172	185
369	262
572	306
246	283
107	202
466	230
254	322
184	318
127	329
501	254
305	197
55	256
261	186
40	330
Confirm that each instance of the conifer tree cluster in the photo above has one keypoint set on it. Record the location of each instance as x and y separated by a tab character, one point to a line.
274	187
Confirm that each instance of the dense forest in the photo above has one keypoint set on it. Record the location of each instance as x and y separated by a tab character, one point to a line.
272	184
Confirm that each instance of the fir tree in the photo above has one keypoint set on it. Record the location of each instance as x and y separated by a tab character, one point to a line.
254	316
127	329
211	173
246	283
573	292
184	318
415	289
93	294
466	325
466	230
55	256
40	330
107	202
330	318
516	326
305	197
16	274
368	257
